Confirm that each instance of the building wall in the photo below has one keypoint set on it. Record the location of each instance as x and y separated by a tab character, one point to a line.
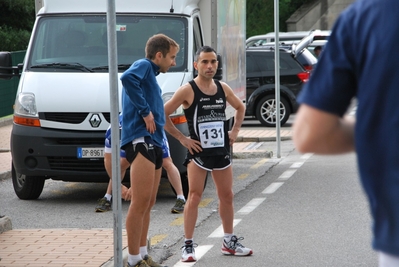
321	14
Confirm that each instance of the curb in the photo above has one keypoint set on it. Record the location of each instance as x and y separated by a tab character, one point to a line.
5	224
6	120
5	175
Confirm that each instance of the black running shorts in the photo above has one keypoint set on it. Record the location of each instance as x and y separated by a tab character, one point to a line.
211	163
149	151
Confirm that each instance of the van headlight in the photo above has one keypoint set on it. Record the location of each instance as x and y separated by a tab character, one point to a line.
25	105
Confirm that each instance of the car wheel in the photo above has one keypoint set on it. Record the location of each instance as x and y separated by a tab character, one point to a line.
266	111
27	187
184	184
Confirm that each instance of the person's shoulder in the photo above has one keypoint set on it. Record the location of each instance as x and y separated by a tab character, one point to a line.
185	87
142	62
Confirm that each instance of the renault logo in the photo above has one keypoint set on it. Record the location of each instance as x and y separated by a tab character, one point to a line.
95	120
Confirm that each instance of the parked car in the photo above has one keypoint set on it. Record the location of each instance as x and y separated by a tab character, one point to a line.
260	85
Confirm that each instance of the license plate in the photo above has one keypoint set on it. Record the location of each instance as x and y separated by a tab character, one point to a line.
90	152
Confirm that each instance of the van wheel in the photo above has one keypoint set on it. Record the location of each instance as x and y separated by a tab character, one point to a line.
266	111
27	187
184	183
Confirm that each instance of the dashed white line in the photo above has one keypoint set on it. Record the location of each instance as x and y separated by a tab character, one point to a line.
219	231
272	188
296	165
199	252
306	156
253	204
286	175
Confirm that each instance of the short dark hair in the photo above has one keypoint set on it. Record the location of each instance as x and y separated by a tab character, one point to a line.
206	49
317	48
159	43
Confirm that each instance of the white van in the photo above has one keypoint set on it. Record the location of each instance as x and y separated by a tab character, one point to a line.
259	40
62	107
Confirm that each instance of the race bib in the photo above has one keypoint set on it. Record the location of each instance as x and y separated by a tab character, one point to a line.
211	134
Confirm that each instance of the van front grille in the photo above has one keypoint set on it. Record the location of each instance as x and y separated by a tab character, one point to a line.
69	117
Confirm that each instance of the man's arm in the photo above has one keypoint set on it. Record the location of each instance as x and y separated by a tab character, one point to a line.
320	132
180	97
239	106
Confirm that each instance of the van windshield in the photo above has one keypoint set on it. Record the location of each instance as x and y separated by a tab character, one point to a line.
79	43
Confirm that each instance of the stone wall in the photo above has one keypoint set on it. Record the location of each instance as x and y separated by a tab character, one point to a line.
320	14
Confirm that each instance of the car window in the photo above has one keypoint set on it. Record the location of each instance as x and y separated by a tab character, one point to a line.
252	67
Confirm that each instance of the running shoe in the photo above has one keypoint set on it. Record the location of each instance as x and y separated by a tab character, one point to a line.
233	247
103	205
188	253
150	262
179	206
141	263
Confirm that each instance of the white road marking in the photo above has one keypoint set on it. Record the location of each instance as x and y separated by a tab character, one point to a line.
219	231
286	175
199	252
251	205
272	188
306	156
296	165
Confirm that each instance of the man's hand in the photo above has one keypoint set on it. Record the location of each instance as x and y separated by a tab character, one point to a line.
191	145
150	123
233	136
126	193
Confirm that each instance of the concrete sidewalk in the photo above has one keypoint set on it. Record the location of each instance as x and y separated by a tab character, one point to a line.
94	247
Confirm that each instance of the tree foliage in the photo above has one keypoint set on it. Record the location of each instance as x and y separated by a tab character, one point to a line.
16	22
260	15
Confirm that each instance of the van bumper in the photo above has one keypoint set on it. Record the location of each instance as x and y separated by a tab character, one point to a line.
52	154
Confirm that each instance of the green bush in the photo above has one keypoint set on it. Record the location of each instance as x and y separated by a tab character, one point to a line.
13	39
260	15
16	23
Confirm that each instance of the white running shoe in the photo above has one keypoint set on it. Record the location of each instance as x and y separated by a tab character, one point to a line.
188	252
233	247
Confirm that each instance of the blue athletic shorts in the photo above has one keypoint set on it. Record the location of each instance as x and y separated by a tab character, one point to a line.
107	147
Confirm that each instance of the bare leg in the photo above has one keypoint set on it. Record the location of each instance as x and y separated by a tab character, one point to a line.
173	175
196	181
142	180
224	183
108	167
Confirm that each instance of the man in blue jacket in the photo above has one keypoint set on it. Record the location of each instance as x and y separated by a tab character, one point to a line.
360	61
142	136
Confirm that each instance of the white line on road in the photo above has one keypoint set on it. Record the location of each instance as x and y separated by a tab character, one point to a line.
296	165
306	156
199	252
251	205
219	231
272	188
286	175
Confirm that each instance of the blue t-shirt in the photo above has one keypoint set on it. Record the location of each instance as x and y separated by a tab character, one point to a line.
141	94
361	60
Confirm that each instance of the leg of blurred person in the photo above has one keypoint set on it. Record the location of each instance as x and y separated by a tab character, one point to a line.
173	177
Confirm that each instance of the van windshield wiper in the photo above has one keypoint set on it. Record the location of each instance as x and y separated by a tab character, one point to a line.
75	65
120	67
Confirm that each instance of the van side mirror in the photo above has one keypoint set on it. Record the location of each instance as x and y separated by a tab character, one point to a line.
219	71
6	70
